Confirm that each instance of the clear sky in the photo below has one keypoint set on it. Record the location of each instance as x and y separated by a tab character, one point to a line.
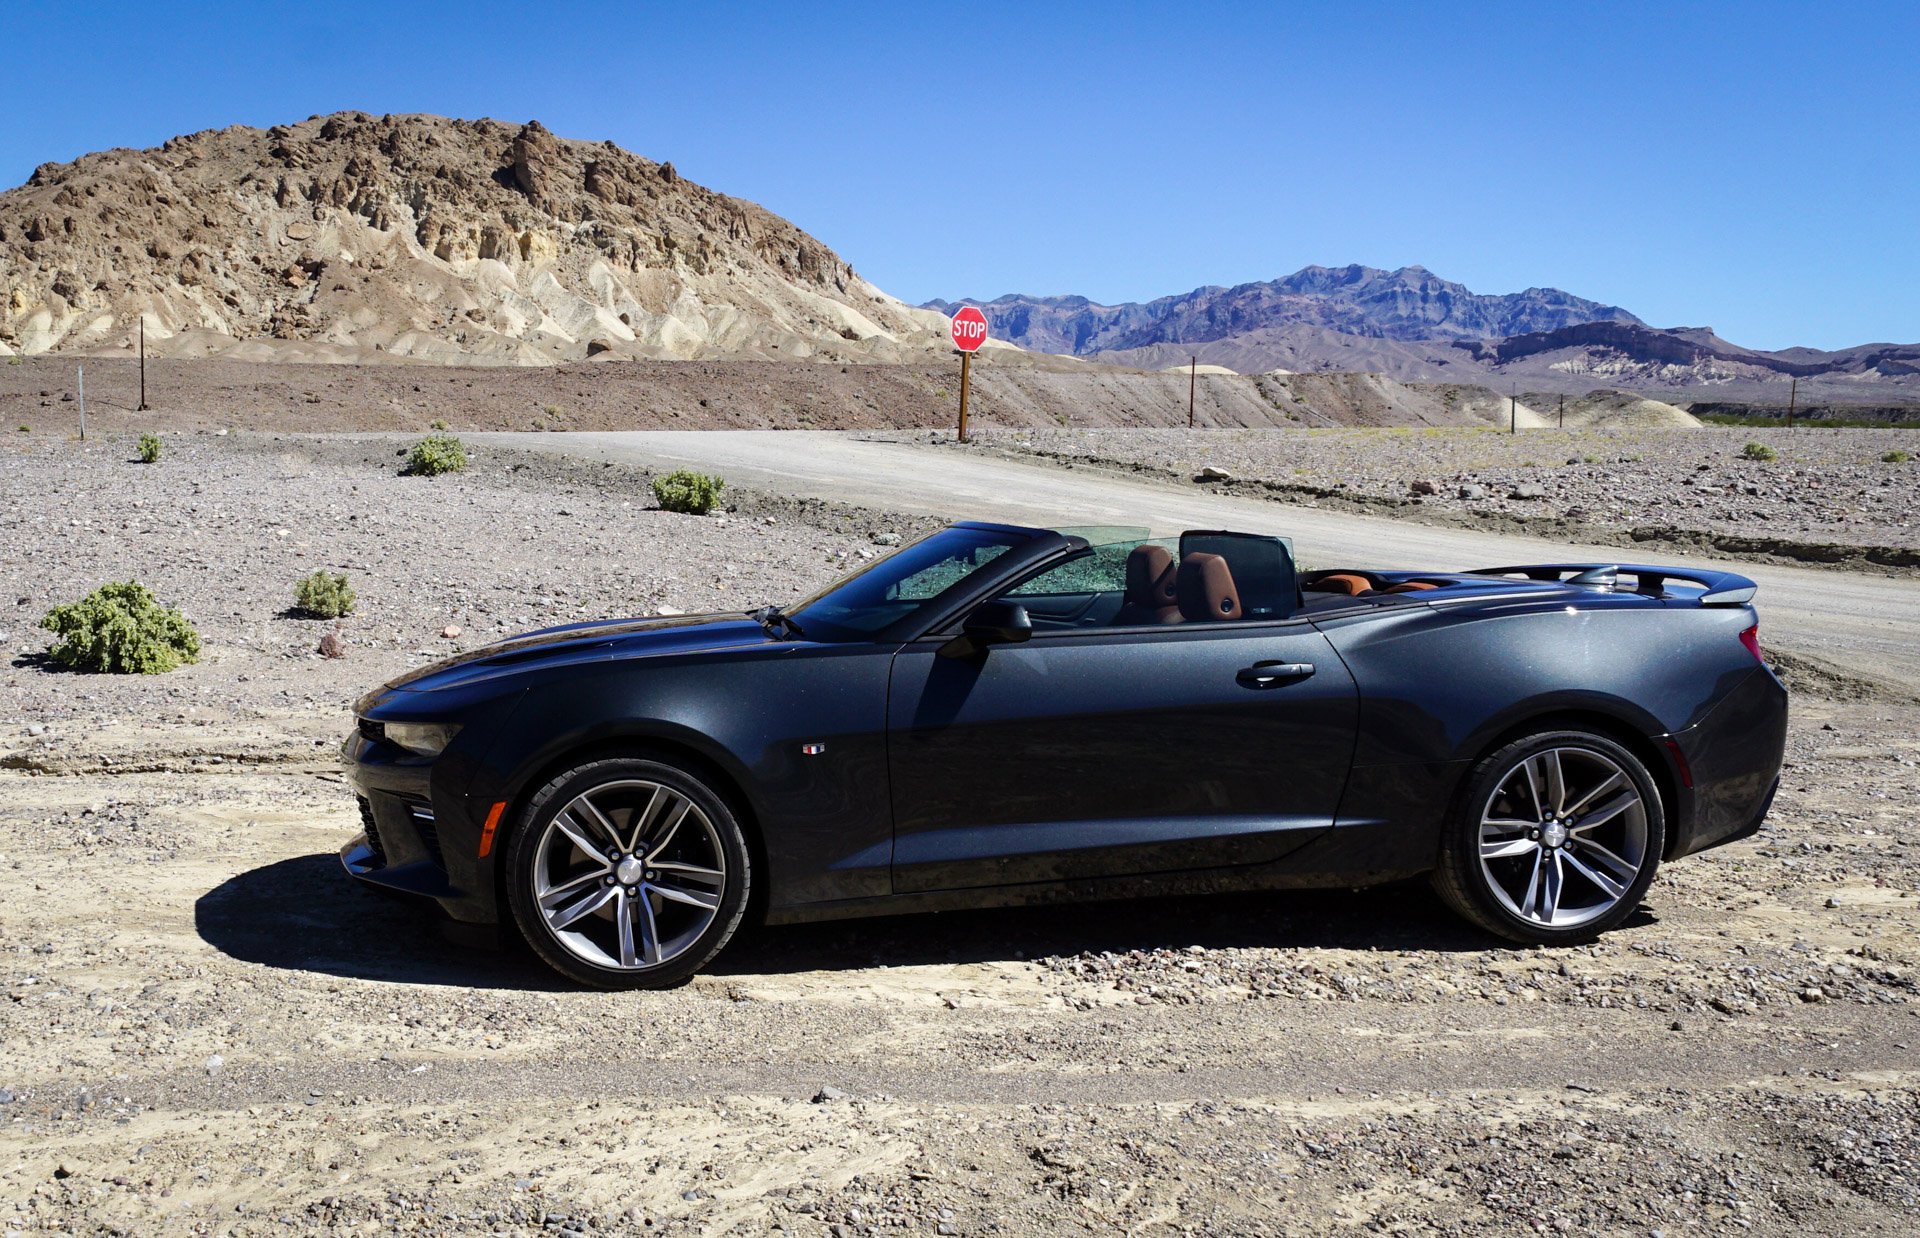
1754	167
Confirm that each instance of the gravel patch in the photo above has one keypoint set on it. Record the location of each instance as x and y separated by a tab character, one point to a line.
1827	497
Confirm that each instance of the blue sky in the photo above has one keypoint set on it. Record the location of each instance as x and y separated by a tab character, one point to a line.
1752	167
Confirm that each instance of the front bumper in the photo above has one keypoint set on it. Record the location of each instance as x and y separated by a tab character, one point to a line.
418	837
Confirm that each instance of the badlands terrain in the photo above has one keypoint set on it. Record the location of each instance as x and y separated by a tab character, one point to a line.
210	1031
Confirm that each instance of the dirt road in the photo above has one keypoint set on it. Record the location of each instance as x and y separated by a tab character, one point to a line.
1863	622
209	1030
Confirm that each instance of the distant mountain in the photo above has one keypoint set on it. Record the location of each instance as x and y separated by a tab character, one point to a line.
1413	326
1411	303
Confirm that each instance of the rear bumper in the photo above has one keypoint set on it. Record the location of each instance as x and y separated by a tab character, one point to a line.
1735	756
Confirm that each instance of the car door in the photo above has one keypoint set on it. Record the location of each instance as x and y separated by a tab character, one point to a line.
1100	752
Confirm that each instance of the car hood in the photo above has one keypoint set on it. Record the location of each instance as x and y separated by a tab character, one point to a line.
585	642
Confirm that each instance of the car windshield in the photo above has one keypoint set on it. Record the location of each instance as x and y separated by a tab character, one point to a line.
916	577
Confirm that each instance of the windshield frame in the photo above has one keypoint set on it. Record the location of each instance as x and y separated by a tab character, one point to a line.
1028	549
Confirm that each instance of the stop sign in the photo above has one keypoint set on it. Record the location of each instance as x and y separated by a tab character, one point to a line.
969	328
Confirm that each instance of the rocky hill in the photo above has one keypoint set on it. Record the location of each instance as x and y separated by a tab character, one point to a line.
354	237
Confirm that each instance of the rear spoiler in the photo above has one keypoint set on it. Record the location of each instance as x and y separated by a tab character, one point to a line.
1716	588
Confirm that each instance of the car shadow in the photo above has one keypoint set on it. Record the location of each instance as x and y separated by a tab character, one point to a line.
1399	917
303	914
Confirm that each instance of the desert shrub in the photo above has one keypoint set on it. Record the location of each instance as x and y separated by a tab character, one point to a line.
122	630
324	595
149	448
438	423
553	410
16	359
25	428
437	454
1760	452
1896	456
684	490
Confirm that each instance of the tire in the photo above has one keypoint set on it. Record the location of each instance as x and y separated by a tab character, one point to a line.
604	912
1528	869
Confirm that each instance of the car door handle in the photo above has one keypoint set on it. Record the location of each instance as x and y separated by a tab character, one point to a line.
1273	674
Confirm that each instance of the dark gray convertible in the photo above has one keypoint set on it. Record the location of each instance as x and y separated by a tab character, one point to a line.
998	715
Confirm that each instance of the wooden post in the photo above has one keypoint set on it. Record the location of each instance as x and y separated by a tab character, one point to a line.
1513	409
1193	378
966	370
1563	410
143	364
1793	398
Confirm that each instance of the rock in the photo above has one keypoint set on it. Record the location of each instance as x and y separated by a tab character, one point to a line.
1213	473
1423	486
668	611
829	1094
332	645
1527	490
597	346
1832	902
450	632
214	1064
886	539
6	1096
1473	491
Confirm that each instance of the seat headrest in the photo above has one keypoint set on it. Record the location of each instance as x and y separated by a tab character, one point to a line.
1150	576
1206	590
1342	582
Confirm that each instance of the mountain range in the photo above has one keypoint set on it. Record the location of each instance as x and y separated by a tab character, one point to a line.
1414	326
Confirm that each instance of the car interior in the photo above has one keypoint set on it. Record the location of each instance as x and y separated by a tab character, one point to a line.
1203	576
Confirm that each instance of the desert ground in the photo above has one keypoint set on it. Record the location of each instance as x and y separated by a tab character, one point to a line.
209	1030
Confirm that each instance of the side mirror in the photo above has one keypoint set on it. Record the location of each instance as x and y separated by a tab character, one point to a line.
991	623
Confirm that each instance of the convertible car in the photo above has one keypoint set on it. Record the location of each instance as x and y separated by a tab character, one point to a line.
996	715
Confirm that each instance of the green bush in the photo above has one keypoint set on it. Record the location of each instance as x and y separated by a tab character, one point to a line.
25	428
324	595
149	448
1896	456
438	423
122	630
1760	452
437	454
16	359
684	490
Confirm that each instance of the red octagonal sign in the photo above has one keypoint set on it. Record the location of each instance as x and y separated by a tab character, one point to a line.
969	328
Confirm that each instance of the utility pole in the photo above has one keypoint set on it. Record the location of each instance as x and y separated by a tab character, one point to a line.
1793	398
1193	377
143	364
81	381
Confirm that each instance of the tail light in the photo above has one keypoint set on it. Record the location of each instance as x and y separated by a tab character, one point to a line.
1751	639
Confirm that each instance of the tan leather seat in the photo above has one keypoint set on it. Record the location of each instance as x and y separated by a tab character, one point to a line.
1205	589
1150	595
1342	582
1410	586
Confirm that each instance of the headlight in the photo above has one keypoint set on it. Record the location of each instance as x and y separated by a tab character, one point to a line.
428	739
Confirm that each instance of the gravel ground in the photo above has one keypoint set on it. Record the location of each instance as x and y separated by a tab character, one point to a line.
1827	497
210	1031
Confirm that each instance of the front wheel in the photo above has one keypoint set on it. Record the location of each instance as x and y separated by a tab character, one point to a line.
1555	839
628	874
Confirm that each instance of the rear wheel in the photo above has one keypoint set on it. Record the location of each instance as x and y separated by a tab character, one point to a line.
628	874
1555	839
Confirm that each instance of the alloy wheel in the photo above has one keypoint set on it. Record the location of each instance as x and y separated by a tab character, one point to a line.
629	874
1564	837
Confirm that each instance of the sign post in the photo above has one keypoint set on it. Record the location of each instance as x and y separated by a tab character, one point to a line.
969	331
